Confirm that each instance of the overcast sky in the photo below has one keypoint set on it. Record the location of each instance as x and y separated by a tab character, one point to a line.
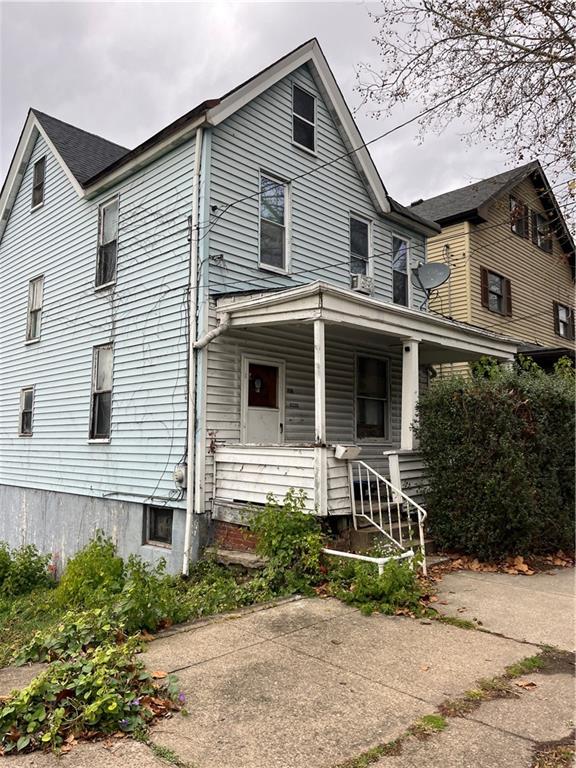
125	70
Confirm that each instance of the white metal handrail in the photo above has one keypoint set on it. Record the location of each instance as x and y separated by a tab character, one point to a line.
386	507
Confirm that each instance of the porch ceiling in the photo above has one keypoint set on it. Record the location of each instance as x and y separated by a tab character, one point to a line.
442	340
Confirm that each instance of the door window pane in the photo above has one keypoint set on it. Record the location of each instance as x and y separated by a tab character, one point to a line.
262	386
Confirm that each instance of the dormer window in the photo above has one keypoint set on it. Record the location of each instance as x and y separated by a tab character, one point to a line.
107	244
303	118
38	182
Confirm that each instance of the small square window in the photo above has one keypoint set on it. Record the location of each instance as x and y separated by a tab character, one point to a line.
38	182
303	118
158	525
26	408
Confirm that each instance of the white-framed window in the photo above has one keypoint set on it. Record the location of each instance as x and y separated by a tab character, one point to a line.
359	246
158	522
38	180
101	401
400	271
564	321
519	217
273	223
107	243
496	292
26	409
35	299
372	398
303	118
541	235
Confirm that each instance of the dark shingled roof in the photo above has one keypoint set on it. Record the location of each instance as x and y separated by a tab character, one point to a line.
84	153
463	203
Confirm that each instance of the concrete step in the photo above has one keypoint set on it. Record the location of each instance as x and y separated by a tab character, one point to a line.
236	557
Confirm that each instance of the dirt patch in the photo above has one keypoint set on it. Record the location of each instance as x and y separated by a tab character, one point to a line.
555	754
518	565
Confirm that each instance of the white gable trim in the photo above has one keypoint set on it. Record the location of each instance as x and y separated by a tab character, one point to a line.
310	53
32	130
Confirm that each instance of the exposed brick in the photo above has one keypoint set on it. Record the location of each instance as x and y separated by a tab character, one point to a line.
231	536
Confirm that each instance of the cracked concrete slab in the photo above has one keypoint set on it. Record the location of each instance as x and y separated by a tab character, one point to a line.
88	755
535	609
15	678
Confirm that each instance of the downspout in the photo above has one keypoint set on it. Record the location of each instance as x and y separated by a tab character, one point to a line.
192	332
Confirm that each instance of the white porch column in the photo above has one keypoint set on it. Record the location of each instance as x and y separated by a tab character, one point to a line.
320	458
410	391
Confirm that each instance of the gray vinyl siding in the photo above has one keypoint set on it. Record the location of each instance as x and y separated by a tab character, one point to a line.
145	317
259	138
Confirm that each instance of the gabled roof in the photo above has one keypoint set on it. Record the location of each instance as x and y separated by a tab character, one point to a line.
93	164
471	203
466	202
84	153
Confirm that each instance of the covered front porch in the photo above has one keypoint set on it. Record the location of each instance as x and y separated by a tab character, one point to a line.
325	378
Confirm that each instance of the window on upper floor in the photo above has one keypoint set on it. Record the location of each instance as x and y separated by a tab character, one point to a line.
101	406
303	118
26	408
35	298
39	177
273	230
359	246
400	269
158	525
107	243
541	235
372	398
564	321
496	292
519	217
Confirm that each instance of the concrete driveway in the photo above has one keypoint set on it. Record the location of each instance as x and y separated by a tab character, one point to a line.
311	683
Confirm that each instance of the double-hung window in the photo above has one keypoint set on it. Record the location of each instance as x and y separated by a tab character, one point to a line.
359	246
35	297
303	118
26	408
400	268
371	398
107	243
101	406
273	237
541	232
39	177
564	321
496	292
518	217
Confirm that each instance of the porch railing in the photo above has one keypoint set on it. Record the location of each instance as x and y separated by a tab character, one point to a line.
398	517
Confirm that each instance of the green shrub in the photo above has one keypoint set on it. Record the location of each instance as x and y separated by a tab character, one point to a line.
27	570
358	583
102	691
92	576
291	540
5	561
499	451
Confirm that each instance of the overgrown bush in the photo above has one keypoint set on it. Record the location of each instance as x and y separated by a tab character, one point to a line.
291	540
94	574
395	590
499	451
23	570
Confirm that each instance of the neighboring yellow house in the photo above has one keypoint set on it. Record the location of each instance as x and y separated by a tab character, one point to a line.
512	260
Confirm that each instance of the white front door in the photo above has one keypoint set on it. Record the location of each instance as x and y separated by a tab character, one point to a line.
263	401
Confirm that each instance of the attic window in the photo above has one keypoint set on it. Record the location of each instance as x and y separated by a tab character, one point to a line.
541	232
38	182
518	217
303	118
107	243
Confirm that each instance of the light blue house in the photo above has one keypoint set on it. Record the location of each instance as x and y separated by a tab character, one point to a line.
226	310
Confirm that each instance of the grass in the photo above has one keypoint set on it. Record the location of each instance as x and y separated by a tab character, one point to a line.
21	617
526	666
166	754
455	621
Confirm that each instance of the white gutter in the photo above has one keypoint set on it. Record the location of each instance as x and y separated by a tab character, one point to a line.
192	331
222	326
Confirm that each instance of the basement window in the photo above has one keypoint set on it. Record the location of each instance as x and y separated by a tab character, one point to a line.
38	182
303	118
107	243
26	408
100	416
158	525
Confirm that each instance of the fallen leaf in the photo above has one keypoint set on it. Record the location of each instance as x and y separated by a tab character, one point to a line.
159	674
528	685
424	669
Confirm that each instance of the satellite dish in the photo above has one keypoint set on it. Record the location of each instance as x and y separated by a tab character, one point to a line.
431	275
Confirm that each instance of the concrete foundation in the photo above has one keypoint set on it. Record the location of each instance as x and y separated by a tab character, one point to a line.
62	523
